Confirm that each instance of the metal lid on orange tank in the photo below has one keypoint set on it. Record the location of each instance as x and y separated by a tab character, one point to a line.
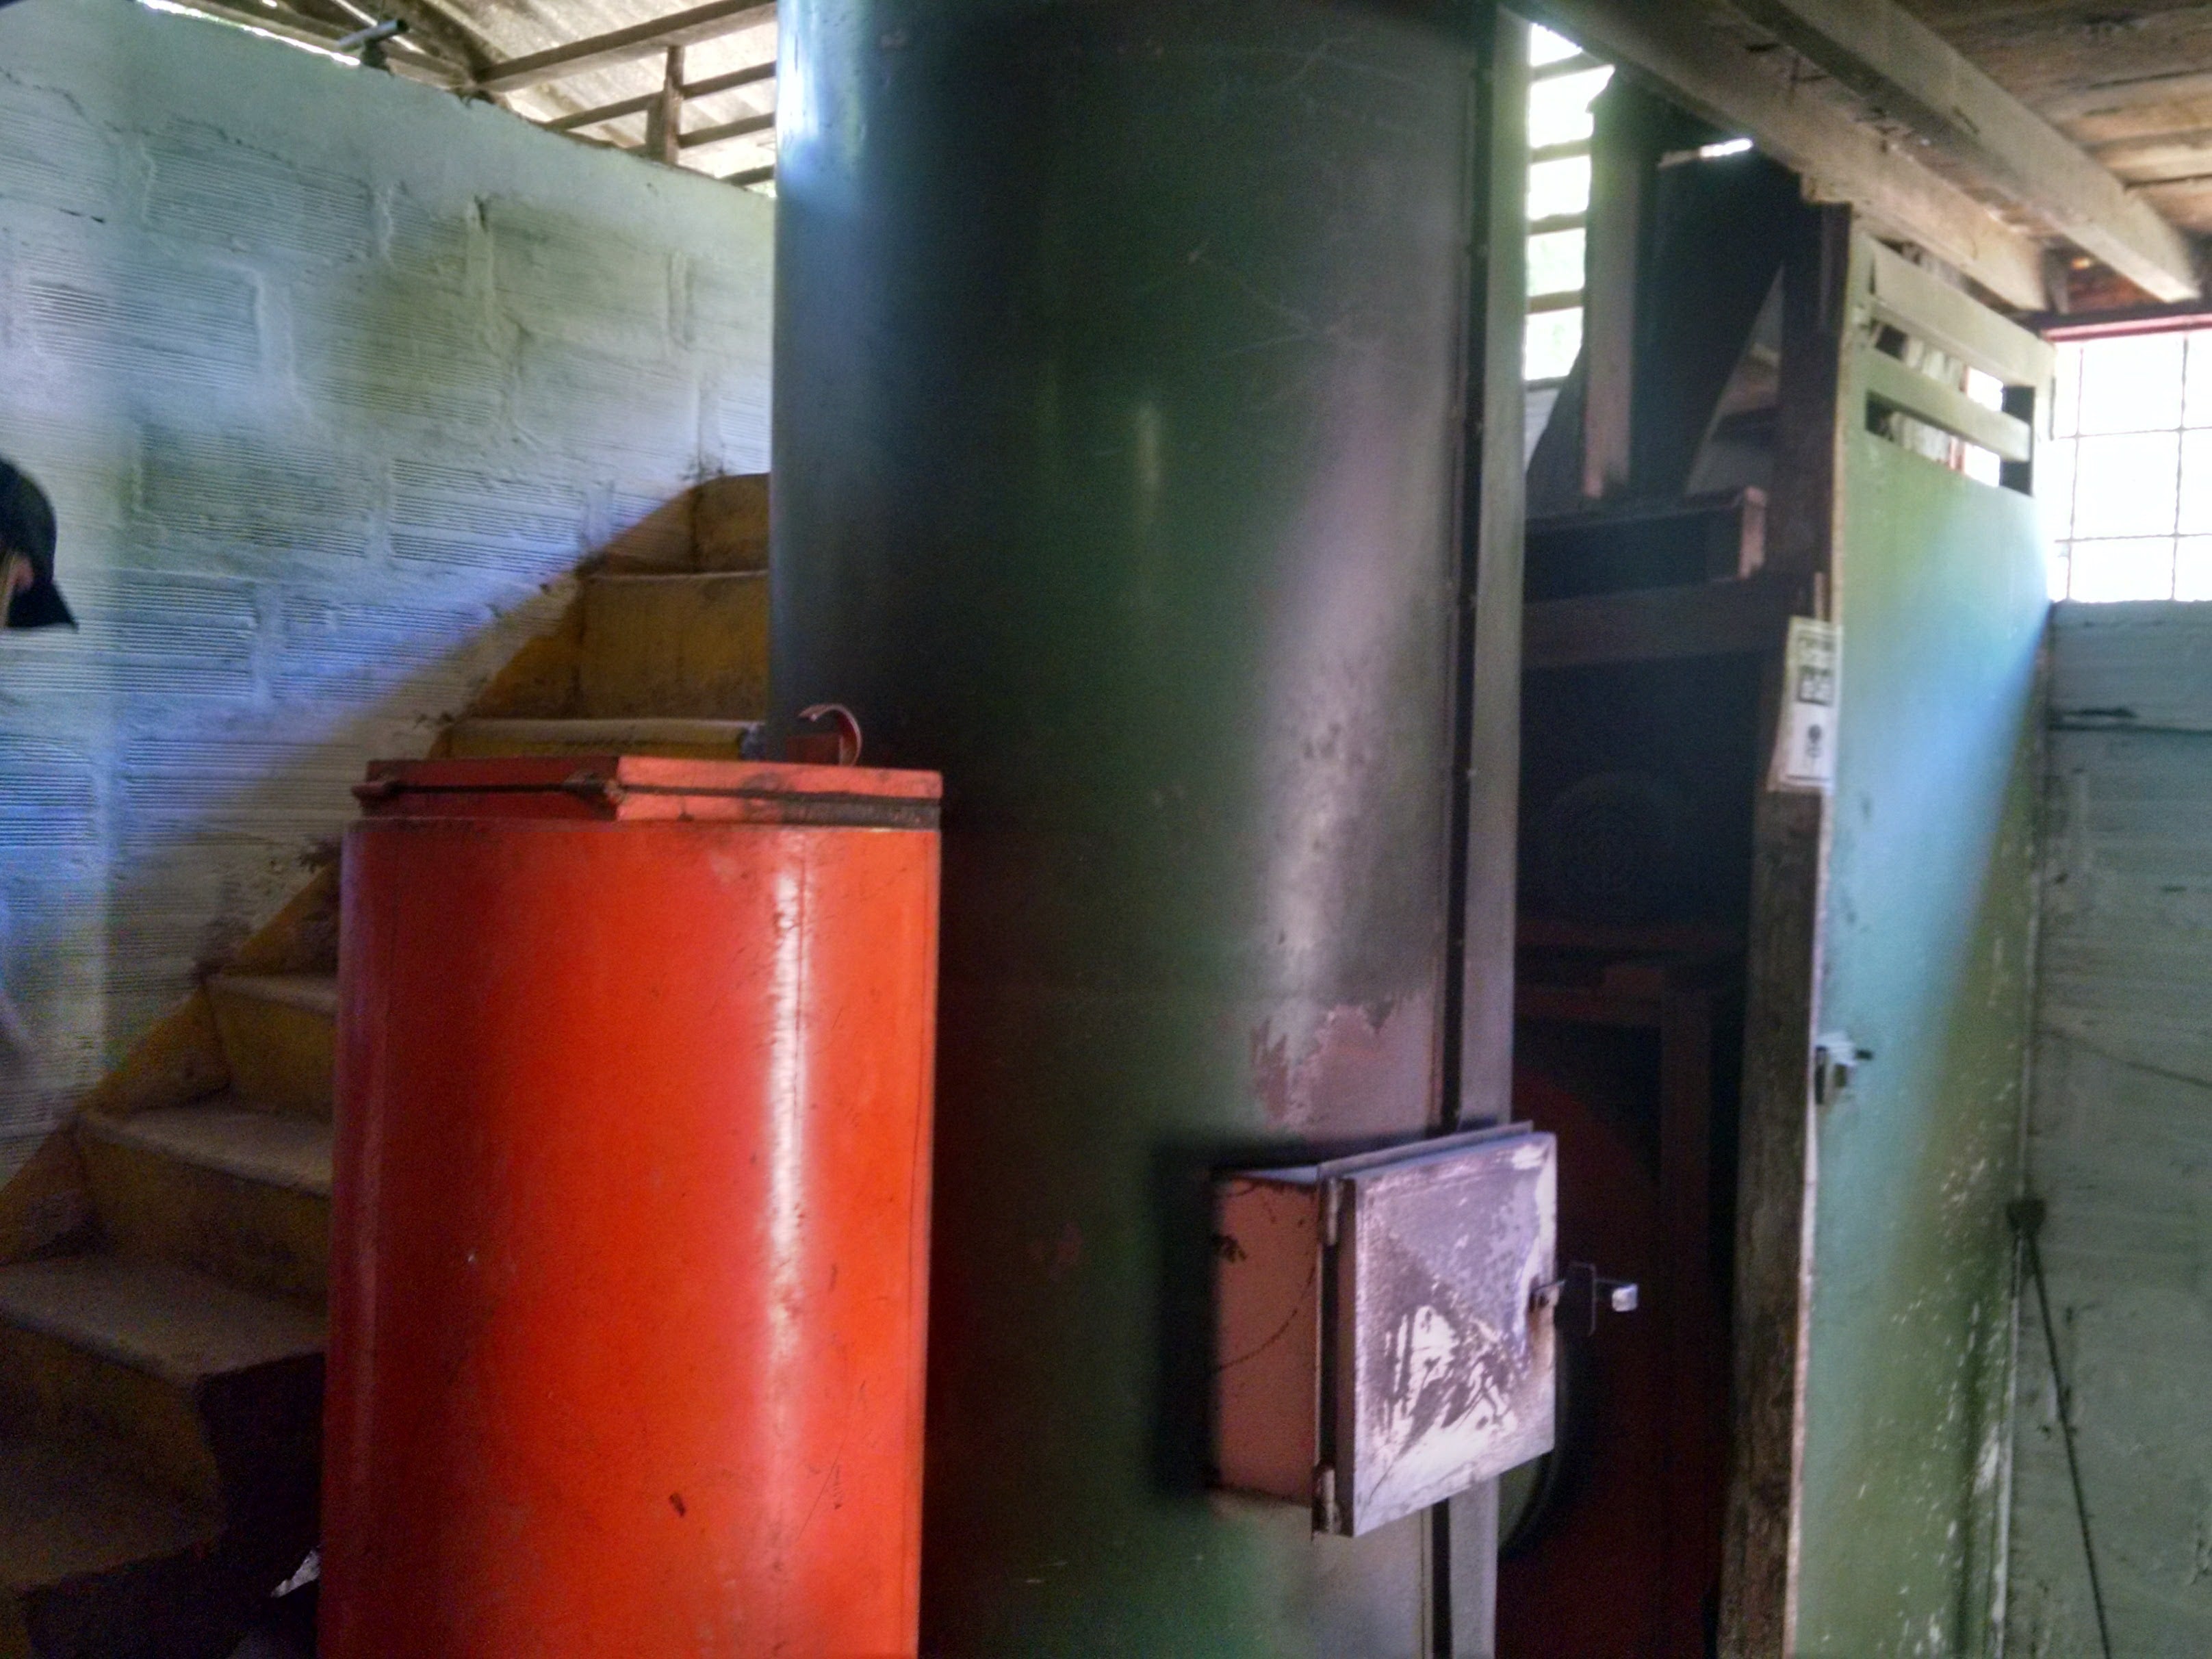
640	788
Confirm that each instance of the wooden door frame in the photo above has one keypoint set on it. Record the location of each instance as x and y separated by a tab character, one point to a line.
1838	283
1777	1178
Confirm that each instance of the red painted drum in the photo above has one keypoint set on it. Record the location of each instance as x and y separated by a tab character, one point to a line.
630	1226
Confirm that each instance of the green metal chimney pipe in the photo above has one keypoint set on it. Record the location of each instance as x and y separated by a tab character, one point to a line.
1120	392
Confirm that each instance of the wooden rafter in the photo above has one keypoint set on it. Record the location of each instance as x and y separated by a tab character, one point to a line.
1841	159
624	45
1897	64
750	76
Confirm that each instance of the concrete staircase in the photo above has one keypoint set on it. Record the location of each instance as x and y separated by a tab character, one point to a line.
164	1258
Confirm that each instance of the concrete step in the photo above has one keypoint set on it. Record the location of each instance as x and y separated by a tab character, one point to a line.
128	1356
217	1186
68	1520
279	1033
690	646
673	739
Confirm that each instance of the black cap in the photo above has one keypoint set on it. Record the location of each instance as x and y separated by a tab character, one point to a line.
27	527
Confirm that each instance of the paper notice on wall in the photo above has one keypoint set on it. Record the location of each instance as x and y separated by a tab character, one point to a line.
1805	737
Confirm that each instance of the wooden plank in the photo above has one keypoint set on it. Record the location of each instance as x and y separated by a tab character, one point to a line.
644	102
624	45
1716	77
742	127
592	118
750	74
1459	1619
2109	97
1629	121
1896	62
1493	525
1955	323
1658	624
1894	385
1777	1175
664	117
1939	586
745	177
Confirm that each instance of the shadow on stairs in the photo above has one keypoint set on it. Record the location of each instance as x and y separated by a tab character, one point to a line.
164	1256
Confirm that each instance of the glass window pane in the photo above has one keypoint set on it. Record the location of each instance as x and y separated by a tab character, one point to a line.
2058	573
1556	262
2197	483
2066	395
1559	110
1555	339
2132	384
2054	487
2107	572
2197	406
2192	569
1545	47
1557	187
2126	486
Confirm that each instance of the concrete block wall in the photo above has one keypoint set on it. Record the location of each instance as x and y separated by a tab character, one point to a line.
333	378
2120	1144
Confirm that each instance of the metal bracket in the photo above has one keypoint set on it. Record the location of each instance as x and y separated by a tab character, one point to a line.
369	42
1835	1058
1619	1296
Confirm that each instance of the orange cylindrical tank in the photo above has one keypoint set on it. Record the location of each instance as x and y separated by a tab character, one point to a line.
630	1226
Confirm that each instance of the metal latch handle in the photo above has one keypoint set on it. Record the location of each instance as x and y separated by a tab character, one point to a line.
1620	1296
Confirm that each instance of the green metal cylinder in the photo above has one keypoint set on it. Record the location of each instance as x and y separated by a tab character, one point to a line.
1119	365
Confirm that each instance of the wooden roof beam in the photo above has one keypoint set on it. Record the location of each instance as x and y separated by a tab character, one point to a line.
1894	61
750	76
625	45
1714	77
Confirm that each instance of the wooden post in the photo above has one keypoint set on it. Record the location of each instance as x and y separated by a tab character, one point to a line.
1624	154
1778	1177
1478	1055
664	119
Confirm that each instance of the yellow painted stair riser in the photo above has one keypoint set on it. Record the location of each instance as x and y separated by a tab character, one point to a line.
145	1424
281	1055
674	645
254	1234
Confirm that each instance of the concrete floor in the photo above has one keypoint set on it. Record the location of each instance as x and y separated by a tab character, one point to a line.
286	1632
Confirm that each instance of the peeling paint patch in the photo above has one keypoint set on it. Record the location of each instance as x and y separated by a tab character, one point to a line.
1348	1070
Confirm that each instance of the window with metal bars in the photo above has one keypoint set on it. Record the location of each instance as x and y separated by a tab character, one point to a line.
2126	479
1562	81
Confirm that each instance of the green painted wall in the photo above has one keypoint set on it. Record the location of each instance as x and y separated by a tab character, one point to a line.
1926	963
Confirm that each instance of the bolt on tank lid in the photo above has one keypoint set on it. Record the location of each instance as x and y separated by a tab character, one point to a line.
640	789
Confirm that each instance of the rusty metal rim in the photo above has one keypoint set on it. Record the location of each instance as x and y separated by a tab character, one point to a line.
841	811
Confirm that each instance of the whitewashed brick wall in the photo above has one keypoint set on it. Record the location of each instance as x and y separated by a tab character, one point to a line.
333	378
